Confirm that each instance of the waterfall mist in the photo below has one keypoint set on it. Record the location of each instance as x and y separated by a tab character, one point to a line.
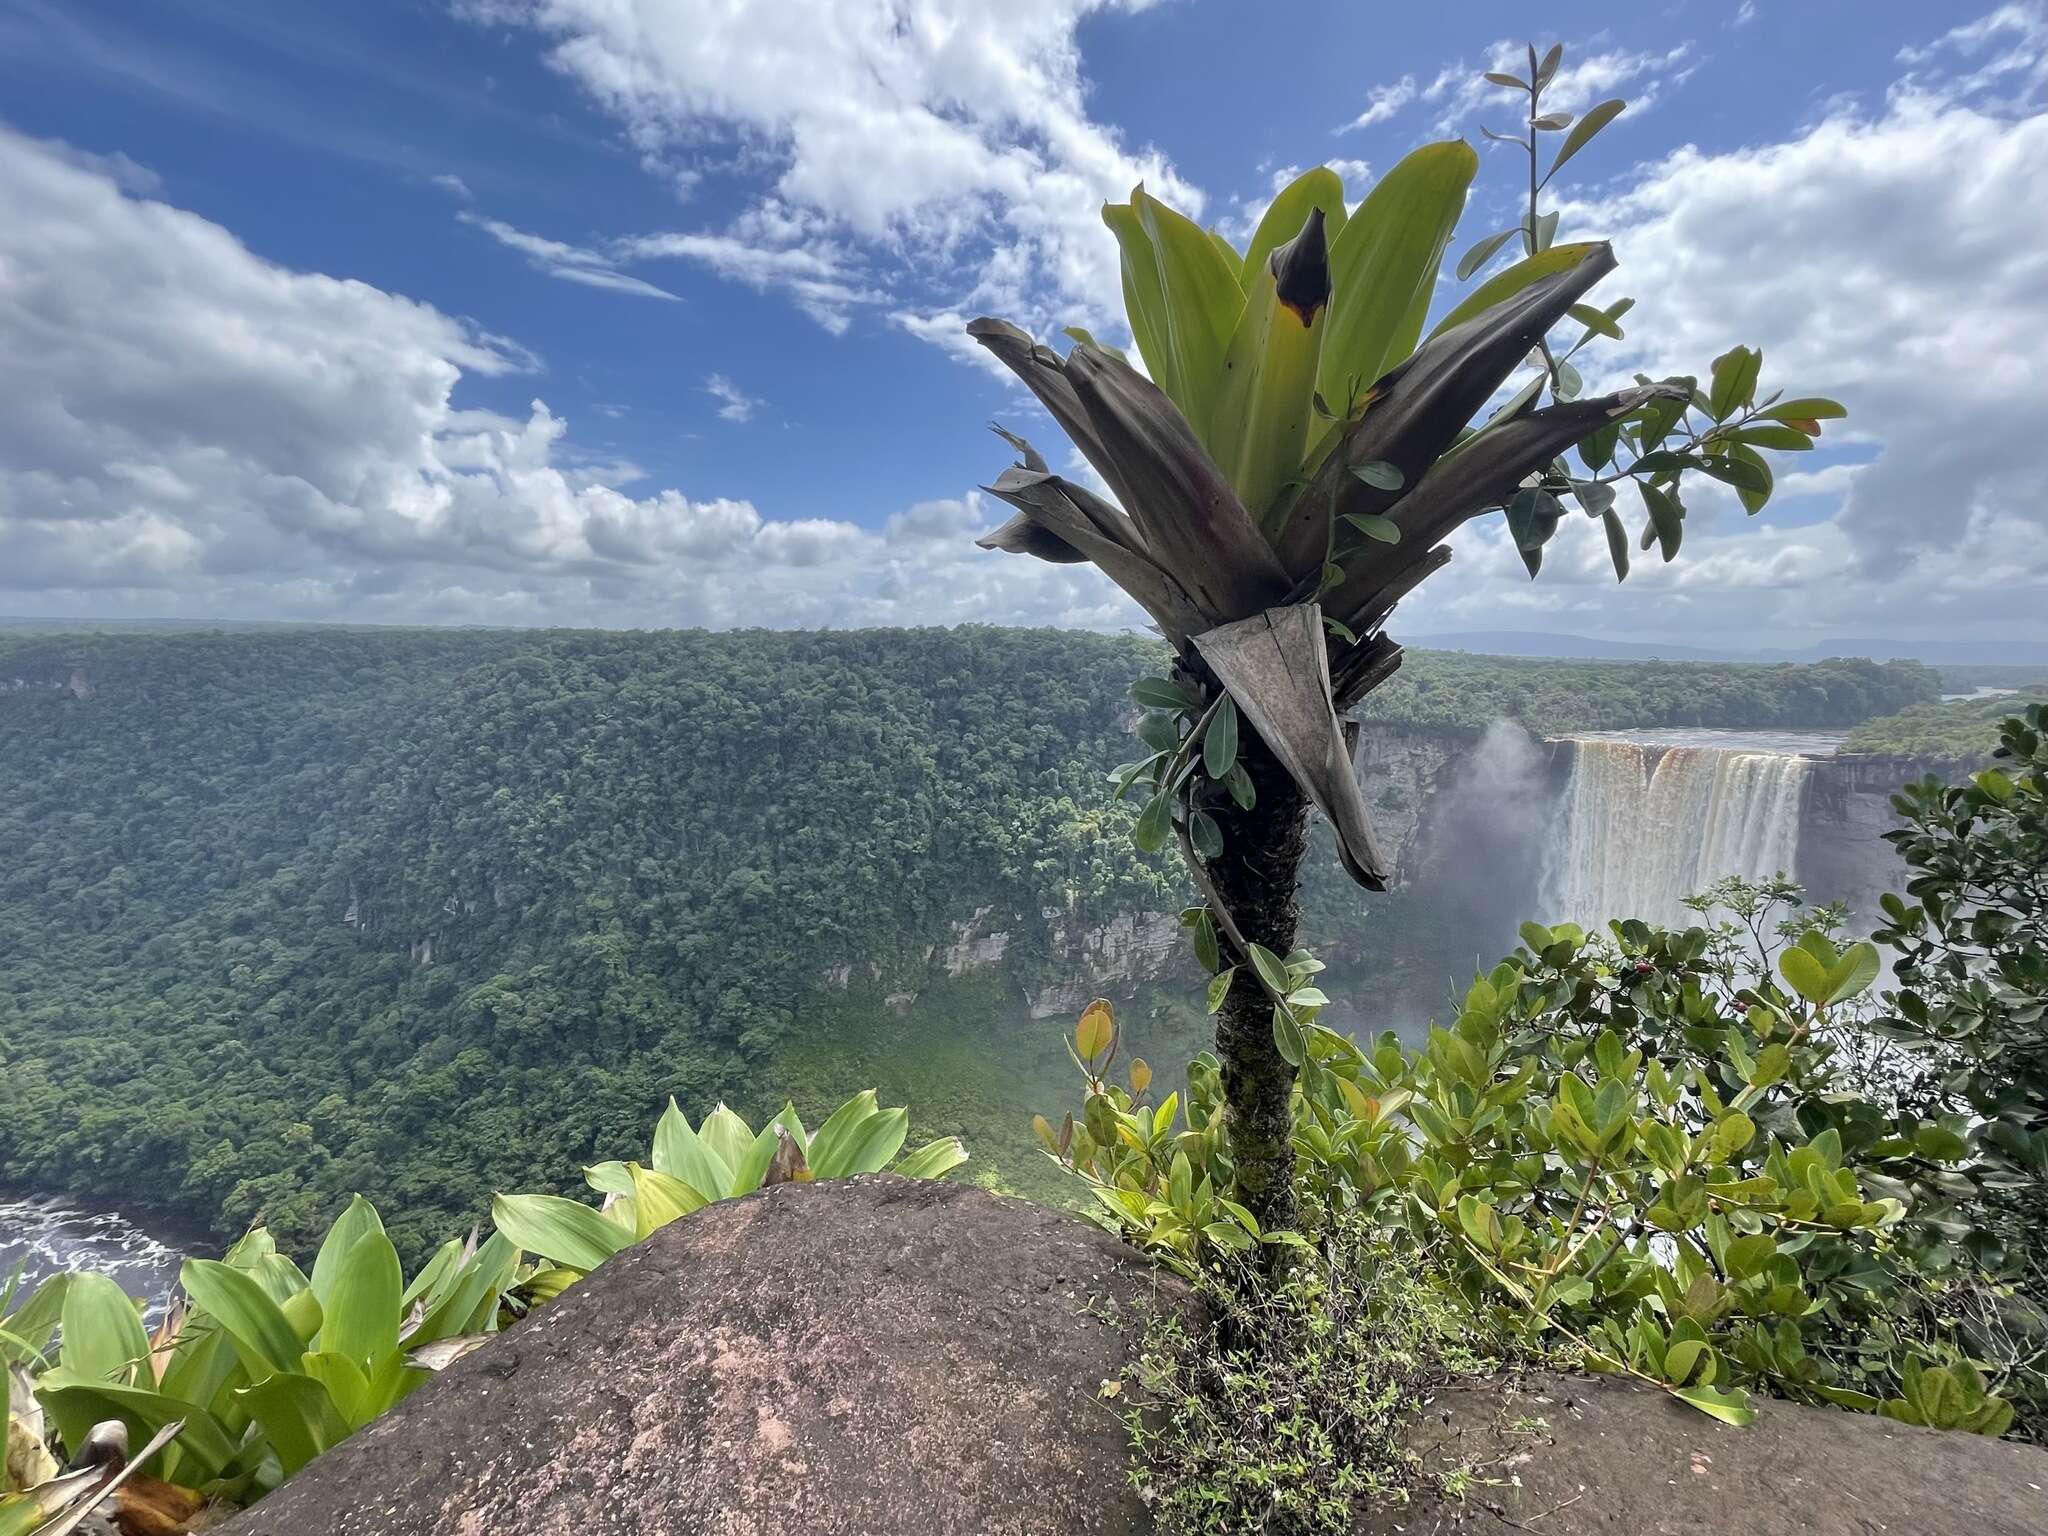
1644	827
1487	839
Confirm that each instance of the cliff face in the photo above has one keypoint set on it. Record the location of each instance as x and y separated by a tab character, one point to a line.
1847	810
1406	771
1410	776
1082	962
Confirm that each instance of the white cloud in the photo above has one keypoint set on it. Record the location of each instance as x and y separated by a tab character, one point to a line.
734	403
954	136
771	248
570	263
454	186
2000	60
125	173
946	329
819	277
188	429
1383	101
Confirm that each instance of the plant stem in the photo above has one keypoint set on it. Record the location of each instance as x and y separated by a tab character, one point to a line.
1255	883
1542	342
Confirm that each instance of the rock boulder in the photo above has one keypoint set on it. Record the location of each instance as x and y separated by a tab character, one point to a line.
864	1355
1603	1456
877	1355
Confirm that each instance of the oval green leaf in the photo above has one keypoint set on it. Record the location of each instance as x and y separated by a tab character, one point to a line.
564	1232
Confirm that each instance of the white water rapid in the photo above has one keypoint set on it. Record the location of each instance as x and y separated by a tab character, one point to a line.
1644	826
39	1237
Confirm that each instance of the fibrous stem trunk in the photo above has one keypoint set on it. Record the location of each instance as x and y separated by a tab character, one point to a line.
1255	880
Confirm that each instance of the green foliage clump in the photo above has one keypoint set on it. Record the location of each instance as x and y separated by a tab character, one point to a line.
1972	941
1651	1152
264	1365
1971	1016
721	1159
1281	1405
1954	732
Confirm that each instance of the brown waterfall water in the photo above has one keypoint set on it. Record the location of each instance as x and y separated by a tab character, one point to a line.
1646	823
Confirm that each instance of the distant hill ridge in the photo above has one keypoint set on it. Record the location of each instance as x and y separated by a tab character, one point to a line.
1485	642
1934	653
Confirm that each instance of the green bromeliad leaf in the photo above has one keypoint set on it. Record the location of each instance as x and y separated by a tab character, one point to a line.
102	1332
1183	295
298	1417
680	1151
1506	284
263	1336
564	1231
359	1320
1383	267
729	1139
356	1222
861	1145
933	1160
1144	295
204	1447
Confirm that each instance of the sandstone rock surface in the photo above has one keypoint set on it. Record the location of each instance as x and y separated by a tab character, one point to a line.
878	1355
865	1355
1601	1456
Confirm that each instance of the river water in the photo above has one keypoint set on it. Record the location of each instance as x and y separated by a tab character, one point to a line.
40	1236
1798	743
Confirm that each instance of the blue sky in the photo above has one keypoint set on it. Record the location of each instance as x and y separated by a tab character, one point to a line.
648	310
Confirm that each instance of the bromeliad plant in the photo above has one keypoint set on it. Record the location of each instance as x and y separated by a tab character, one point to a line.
1287	468
686	1170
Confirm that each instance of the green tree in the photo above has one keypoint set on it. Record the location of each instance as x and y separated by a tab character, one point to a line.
1971	936
1288	473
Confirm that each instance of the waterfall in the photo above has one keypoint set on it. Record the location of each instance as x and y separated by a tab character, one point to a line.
1644	827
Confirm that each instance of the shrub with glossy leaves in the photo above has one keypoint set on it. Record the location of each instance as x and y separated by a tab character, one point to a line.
1971	936
1625	1147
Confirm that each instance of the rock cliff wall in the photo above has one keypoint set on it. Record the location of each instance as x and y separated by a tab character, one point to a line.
1842	853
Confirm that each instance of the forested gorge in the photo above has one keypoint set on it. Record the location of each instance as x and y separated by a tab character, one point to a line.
427	914
1548	696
